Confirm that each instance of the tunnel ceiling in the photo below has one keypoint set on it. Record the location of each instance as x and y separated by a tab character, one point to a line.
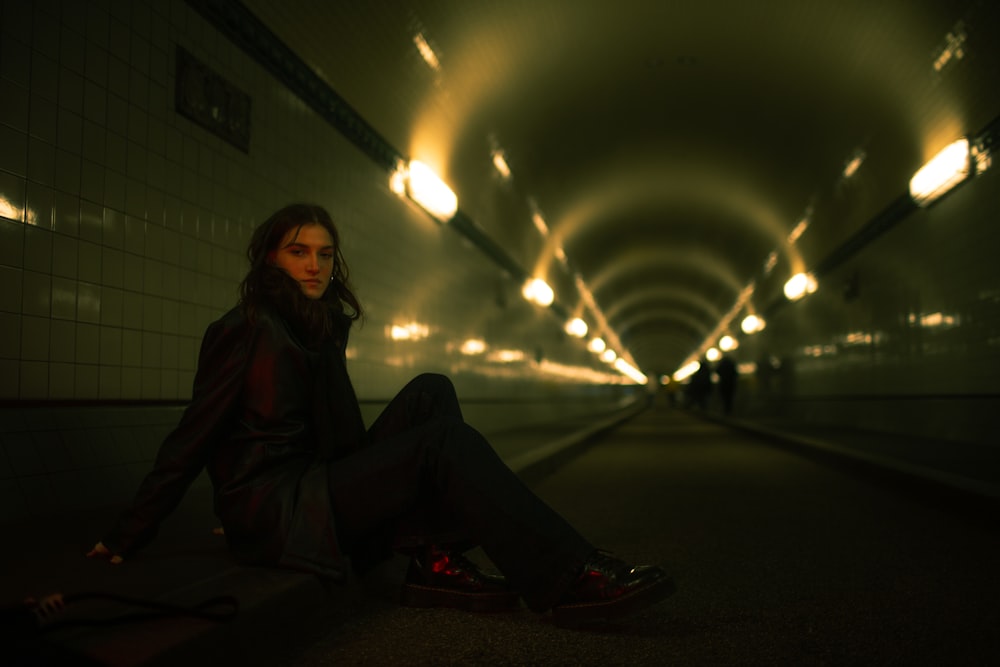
670	147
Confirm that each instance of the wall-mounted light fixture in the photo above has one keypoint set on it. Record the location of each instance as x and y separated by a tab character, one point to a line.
576	328
686	371
473	346
423	186
799	285
945	170
631	371
538	291
596	345
752	324
408	331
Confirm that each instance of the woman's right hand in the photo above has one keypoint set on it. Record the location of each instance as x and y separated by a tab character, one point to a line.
102	551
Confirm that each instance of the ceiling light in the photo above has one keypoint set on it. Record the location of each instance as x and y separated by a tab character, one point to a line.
727	343
540	225
426	52
428	190
501	164
944	171
596	345
608	356
854	163
538	291
794	235
713	354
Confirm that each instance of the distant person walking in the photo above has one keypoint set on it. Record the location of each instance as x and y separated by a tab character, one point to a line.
727	373
700	386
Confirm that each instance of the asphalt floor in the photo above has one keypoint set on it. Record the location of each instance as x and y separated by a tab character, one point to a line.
780	559
819	548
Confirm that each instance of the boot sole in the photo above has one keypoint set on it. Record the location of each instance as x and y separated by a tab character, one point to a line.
584	613
417	595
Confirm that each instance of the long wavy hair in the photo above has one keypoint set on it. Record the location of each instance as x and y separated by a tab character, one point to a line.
266	285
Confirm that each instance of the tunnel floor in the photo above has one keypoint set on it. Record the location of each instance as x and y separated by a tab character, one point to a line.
778	559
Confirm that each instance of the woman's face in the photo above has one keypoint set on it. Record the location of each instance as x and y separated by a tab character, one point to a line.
306	254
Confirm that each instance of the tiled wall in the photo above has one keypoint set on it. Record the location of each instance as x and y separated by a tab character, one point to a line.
913	348
124	224
123	228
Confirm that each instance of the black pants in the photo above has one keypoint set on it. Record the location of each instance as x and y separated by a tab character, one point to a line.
427	477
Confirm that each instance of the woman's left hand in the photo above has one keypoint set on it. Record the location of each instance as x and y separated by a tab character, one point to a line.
101	550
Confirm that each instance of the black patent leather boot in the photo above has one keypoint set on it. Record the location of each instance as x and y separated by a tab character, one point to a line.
609	589
448	579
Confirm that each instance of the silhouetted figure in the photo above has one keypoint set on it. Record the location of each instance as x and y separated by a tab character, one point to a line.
726	371
700	385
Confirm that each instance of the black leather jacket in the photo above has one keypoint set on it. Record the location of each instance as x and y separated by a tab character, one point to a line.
267	417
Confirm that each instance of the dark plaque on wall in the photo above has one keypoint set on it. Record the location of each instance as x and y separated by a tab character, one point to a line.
212	102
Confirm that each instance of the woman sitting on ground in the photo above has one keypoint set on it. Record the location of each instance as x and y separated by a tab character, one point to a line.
300	482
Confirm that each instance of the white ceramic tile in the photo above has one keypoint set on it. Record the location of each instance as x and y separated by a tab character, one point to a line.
34	379
89	303
13	188
10	296
111	346
62	380
64	291
66	215
114	228
131	348
87	382
62	341
150	383
13	151
131	382
88	343
39	207
89	267
10	337
65	256
132	305
36	295
10	384
134	270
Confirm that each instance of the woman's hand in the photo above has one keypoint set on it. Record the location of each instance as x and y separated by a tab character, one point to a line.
101	550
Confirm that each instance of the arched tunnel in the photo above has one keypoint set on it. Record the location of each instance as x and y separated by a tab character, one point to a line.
583	213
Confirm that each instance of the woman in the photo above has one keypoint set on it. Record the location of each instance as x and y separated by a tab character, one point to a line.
299	482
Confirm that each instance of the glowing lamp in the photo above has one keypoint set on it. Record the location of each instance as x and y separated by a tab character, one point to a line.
576	328
608	356
473	346
430	192
944	171
538	291
596	345
799	285
500	163
631	371
752	324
